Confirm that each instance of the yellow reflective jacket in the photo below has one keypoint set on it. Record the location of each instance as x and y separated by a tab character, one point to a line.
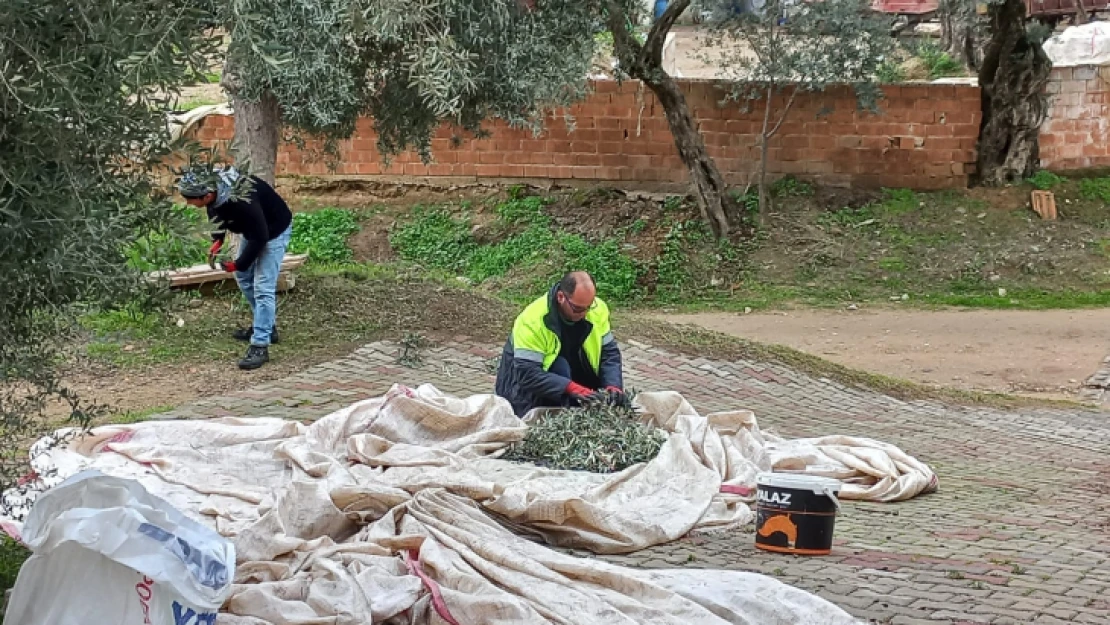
524	376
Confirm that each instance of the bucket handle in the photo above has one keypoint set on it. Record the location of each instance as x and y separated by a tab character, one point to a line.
831	494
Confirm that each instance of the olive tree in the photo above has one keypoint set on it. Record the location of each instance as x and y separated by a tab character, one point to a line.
788	49
315	66
83	90
1013	77
642	59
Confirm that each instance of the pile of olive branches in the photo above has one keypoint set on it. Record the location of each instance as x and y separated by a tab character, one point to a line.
599	436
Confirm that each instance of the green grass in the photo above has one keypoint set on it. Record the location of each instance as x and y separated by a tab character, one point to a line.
950	248
789	186
1026	299
335	306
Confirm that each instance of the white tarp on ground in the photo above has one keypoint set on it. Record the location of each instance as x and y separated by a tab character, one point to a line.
1087	44
319	513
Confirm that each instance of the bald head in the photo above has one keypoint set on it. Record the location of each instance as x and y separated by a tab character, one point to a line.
576	295
575	280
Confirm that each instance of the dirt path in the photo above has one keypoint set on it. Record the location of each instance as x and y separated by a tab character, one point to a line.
1044	353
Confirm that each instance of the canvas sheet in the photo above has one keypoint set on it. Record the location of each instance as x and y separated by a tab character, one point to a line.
322	516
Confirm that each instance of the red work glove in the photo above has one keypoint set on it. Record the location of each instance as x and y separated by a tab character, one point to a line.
574	388
228	266
212	251
614	389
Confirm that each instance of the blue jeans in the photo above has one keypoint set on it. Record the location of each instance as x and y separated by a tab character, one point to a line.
259	285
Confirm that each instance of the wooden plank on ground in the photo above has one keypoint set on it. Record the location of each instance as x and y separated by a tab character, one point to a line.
201	274
1044	203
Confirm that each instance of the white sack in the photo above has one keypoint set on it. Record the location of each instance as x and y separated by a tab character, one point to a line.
1087	44
106	551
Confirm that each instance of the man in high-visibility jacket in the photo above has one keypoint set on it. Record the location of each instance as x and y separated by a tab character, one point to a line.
562	351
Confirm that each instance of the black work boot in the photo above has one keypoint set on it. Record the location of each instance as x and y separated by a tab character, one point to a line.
255	358
245	334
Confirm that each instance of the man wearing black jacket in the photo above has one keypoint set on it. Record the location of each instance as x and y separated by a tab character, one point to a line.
265	223
562	351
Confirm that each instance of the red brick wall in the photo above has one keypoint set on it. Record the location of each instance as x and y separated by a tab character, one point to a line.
923	139
1076	134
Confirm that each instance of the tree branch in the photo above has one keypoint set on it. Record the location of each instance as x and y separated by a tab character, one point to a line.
785	111
625	46
652	53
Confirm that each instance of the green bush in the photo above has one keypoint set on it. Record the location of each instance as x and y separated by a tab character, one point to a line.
890	73
323	234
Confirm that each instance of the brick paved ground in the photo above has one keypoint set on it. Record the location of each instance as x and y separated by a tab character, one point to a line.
1018	533
1097	387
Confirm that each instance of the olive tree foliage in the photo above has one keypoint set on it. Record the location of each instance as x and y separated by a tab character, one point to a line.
83	87
791	49
316	66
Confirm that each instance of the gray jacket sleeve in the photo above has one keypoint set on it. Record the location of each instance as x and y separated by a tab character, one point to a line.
531	379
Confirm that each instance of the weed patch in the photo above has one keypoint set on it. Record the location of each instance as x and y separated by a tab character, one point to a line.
1097	189
323	234
938	62
435	238
1045	180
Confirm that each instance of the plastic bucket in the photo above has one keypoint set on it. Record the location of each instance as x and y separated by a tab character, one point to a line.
796	513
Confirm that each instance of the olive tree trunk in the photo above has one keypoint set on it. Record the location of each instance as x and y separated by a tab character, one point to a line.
257	128
959	31
709	185
1012	79
645	63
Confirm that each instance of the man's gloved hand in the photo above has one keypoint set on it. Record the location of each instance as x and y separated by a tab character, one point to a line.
212	251
576	389
617	397
228	266
586	395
